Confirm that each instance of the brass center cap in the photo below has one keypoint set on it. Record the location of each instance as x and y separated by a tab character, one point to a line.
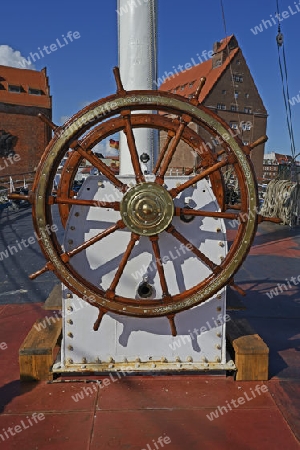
147	209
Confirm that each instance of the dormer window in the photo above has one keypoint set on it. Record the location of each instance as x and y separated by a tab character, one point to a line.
14	88
34	91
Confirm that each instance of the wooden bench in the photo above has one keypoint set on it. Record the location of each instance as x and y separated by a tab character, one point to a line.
251	354
37	352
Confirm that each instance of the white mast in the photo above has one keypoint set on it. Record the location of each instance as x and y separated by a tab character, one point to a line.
138	67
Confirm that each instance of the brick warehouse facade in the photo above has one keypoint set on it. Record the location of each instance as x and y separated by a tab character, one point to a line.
23	95
230	92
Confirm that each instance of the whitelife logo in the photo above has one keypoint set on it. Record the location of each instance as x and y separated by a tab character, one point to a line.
24	425
48	49
236	403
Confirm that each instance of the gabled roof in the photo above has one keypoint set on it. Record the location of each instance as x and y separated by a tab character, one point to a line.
187	81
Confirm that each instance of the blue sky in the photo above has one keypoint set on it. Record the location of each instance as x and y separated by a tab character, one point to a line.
81	71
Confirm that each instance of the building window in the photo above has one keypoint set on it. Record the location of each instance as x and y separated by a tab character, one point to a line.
233	108
247	95
246	126
246	142
174	91
14	88
234	125
238	62
247	110
34	91
238	78
236	94
190	96
182	87
221	106
191	84
223	91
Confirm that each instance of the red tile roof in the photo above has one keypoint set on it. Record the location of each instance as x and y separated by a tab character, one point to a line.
187	81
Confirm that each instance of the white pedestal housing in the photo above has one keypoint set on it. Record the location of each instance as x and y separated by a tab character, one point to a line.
144	344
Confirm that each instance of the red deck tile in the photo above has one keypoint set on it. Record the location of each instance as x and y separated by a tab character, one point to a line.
30	397
178	392
244	429
286	395
69	431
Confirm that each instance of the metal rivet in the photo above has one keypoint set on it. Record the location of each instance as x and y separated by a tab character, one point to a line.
69	295
77	214
153	366
84	360
70	334
189	359
177	359
222	258
70	321
219	347
70	361
218	230
111	359
221	244
72	228
219	296
70	241
219	334
111	366
163	359
138	360
97	360
219	308
70	348
69	308
204	359
218	359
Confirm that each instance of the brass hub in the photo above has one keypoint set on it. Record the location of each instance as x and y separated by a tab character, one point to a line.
147	209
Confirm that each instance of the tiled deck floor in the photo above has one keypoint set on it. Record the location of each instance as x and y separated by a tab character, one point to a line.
133	412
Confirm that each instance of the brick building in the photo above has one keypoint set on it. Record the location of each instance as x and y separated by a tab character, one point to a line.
230	92
23	136
277	165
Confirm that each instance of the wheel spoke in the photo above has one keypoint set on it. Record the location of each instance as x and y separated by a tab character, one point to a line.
110	293
170	136
75	201
170	151
237	206
118	226
103	168
175	191
159	265
195	212
214	267
139	176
